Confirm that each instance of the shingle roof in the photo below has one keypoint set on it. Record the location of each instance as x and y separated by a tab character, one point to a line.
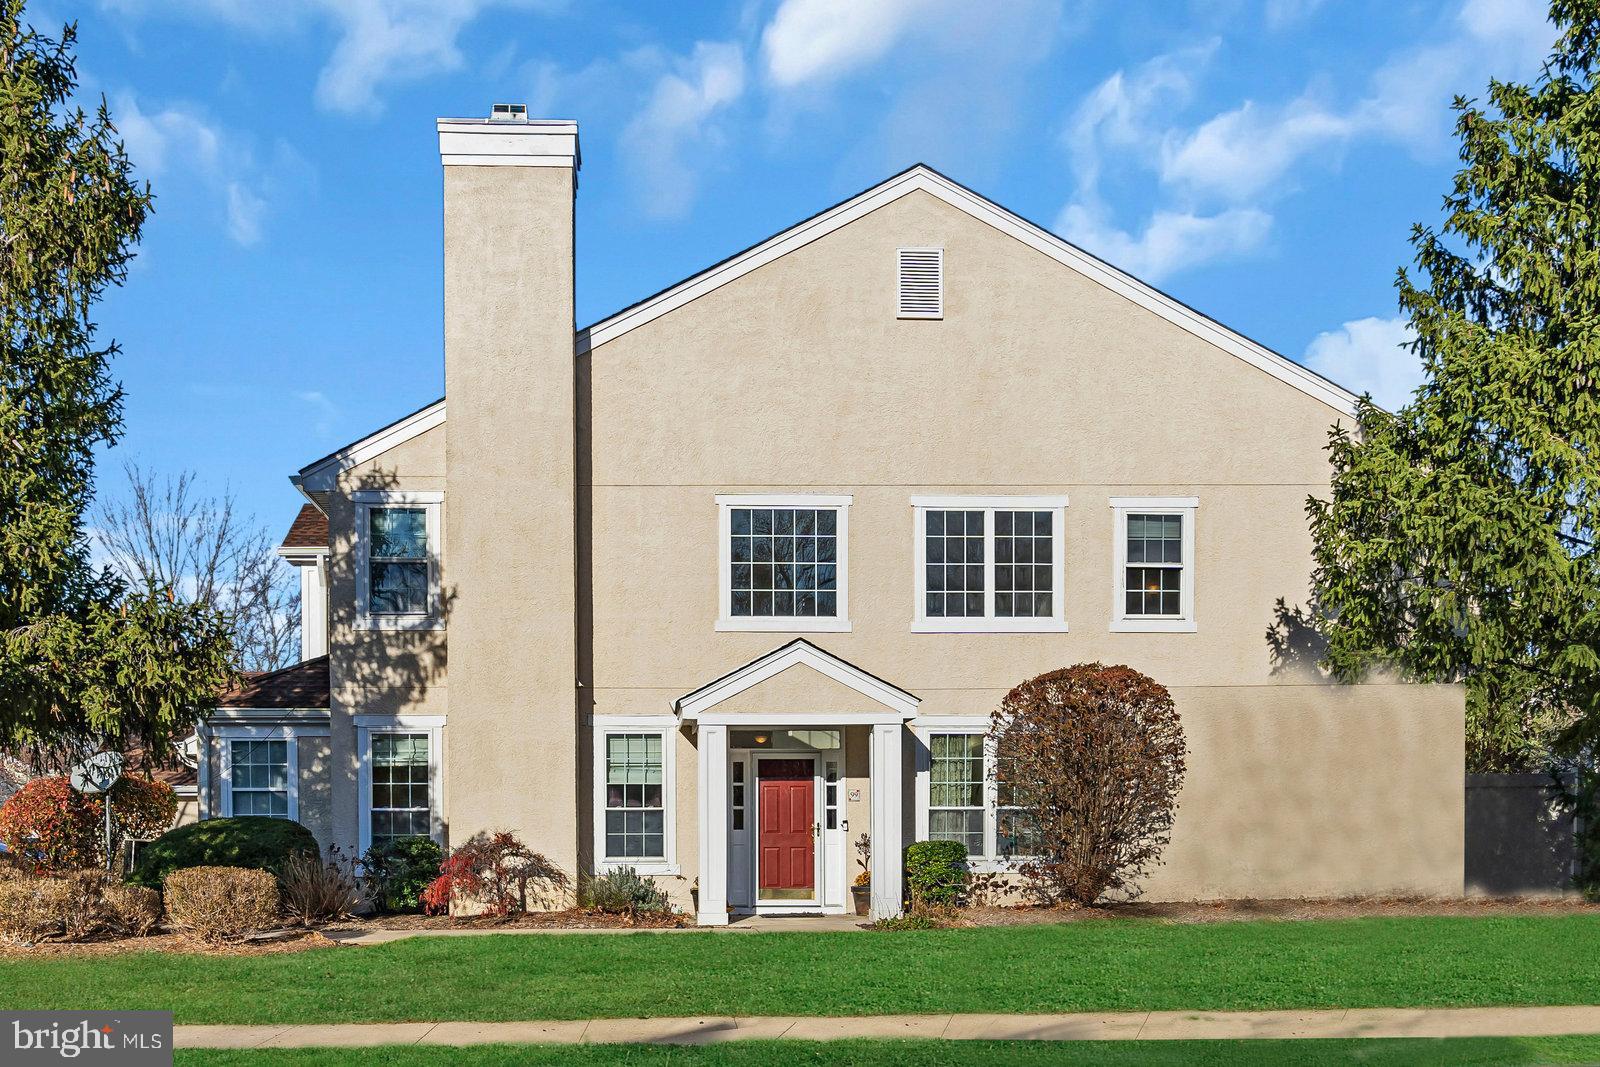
309	529
305	685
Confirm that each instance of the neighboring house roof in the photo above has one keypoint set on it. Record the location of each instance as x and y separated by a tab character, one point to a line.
16	773
305	685
919	178
309	529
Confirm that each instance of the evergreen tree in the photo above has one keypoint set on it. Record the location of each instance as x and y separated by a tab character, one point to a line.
1460	539
84	658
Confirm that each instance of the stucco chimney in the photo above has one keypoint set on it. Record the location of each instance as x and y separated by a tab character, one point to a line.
509	556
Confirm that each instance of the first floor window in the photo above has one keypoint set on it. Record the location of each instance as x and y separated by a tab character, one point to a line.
969	802
401	791
635	813
259	777
956	790
989	563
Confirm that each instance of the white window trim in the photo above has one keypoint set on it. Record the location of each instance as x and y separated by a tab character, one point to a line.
1121	508
925	728
726	621
899	309
988	623
667	727
367	499
226	734
366	726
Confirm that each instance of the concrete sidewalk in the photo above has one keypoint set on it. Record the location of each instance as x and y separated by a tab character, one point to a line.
1144	1026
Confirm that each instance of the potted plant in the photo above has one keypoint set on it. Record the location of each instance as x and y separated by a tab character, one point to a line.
861	891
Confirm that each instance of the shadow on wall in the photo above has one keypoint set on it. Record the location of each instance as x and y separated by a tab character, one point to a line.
1294	644
1519	836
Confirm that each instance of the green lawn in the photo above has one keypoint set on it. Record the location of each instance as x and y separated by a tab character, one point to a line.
1088	966
1473	1052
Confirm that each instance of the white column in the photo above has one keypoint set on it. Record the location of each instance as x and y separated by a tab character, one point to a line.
713	793
313	609
887	869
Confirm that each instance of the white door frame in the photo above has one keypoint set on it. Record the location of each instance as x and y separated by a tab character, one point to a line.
753	820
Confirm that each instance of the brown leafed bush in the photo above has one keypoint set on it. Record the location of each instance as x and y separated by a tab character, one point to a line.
317	892
1093	757
33	909
84	905
220	903
497	873
131	910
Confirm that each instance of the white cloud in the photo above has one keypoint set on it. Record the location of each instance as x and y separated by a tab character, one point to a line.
1172	241
174	135
1243	152
1281	13
1365	356
1121	112
245	213
379	42
813	40
325	412
679	118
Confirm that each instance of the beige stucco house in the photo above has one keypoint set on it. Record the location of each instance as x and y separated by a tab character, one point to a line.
734	577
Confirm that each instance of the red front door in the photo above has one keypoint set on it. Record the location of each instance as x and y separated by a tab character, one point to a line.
787	842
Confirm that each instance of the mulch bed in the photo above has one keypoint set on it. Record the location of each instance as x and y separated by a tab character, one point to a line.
1247	910
266	945
571	919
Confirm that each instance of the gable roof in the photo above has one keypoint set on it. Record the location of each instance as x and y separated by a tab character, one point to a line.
309	529
917	178
694	704
303	686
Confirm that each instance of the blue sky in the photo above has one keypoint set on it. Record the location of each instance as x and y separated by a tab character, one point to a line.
1262	160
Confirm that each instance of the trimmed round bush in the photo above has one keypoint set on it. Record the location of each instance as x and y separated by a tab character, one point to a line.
936	873
131	910
32	909
221	903
253	841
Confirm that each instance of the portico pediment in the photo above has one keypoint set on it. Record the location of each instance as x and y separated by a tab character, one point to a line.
799	684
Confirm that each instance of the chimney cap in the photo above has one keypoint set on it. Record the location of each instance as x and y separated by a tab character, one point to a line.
519	142
508	113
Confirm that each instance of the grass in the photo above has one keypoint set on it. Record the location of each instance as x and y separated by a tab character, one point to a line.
1089	966
1459	1052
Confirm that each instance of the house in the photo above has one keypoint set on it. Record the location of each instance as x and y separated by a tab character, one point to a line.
720	583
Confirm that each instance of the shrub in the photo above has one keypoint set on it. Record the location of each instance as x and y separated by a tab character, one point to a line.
316	892
625	892
219	903
32	909
83	906
1093	758
936	873
495	872
254	841
396	872
131	910
56	828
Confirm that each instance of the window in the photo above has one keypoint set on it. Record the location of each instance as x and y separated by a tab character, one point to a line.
782	563
258	777
989	564
401	788
1153	579
962	800
955	790
919	290
737	794
635	797
397	560
399	778
830	799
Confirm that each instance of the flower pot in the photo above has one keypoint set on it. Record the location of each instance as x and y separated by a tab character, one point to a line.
862	892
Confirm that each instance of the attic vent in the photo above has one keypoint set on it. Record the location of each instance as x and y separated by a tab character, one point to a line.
508	113
921	292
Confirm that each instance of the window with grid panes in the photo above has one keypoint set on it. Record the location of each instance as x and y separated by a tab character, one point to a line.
259	777
955	790
1024	582
784	562
401	800
635	813
953	559
1153	584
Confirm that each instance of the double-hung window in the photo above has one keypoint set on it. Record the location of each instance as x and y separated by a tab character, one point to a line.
962	798
633	795
782	563
1153	571
397	560
399	777
259	776
989	564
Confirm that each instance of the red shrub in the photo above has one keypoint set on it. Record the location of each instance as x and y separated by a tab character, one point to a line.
494	871
54	828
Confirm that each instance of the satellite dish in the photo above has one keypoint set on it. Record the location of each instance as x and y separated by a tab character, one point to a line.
98	773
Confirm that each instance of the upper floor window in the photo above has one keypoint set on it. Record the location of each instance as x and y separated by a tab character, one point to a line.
1153	579
397	560
989	563
782	563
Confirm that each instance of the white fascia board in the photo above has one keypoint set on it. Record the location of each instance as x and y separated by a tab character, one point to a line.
302	557
308	716
692	705
322	475
532	143
926	180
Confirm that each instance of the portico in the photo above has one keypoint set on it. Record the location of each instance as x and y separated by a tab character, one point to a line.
789	746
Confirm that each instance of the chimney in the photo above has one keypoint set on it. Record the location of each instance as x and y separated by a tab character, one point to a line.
509	547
